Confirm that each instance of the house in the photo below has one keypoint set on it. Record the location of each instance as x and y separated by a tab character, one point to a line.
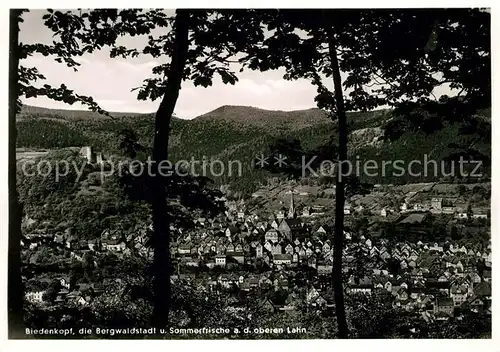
416	292
88	154
225	281
115	245
309	252
282	259
362	285
65	282
306	212
259	250
281	284
35	296
194	250
312	295
479	216
216	224
268	246
402	295
480	213
388	286
418	207
448	210
83	301
434	286
324	269
230	247
487	275
475	278
311	261
277	249
320	301
417	274
444	305
267	305
291	303
458	295
271	236
475	303
321	230
368	243
361	288
383	212
252	282
220	260
437	203
483	290
326	248
238	247
266	258
184	249
384	255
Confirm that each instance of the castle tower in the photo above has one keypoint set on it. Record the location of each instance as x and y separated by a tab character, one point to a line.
291	211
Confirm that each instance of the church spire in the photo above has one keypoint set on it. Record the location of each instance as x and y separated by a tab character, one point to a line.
291	211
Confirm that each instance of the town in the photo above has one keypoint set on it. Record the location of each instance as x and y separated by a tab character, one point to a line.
284	251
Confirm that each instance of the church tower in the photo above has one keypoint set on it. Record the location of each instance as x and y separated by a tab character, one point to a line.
291	211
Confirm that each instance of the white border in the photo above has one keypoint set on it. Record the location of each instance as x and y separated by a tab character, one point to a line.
275	345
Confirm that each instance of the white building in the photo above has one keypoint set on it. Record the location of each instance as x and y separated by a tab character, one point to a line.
220	260
35	296
282	259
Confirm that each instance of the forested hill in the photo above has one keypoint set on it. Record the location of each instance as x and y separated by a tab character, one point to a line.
28	111
241	133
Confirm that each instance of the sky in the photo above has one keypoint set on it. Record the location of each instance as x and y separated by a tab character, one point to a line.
109	81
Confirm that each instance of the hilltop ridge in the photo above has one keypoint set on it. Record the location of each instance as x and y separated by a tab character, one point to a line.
260	117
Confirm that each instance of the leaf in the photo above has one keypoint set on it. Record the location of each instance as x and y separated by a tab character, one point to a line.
227	77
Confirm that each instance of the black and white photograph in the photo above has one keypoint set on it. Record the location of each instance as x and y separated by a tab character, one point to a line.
249	173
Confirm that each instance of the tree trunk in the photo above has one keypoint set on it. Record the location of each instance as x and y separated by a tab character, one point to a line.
161	238
15	291
338	239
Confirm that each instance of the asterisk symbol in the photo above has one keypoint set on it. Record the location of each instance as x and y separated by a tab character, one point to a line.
280	160
262	160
